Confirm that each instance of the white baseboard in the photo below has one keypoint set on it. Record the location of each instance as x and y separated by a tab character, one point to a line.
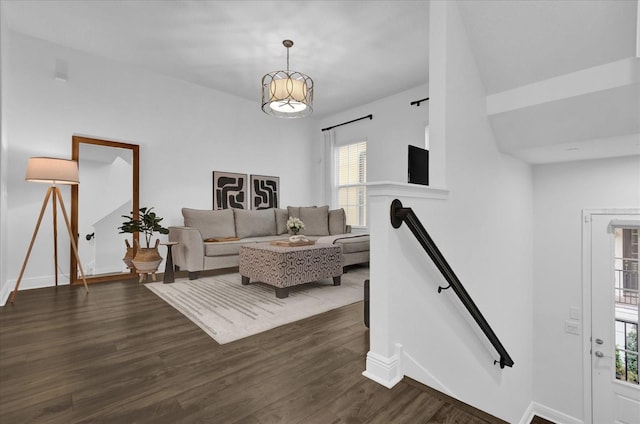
528	415
548	414
416	371
4	294
388	371
383	370
30	283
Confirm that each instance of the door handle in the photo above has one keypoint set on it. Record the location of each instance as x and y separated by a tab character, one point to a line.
599	354
599	341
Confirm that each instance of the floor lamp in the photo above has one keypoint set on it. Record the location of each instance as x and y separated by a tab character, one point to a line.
52	171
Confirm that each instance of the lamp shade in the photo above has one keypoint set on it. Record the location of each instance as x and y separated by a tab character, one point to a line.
52	171
287	94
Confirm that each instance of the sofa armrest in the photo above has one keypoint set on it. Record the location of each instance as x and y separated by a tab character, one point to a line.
188	254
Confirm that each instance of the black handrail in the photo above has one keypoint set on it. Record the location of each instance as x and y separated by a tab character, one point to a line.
400	215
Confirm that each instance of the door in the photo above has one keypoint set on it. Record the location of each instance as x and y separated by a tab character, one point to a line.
614	316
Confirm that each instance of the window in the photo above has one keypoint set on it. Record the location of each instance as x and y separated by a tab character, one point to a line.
352	179
626	304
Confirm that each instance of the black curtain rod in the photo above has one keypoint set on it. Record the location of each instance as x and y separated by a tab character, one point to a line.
345	123
417	102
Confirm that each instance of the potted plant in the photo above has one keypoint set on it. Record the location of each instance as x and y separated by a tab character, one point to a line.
147	258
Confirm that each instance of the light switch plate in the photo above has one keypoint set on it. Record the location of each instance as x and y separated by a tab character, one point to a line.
572	327
574	313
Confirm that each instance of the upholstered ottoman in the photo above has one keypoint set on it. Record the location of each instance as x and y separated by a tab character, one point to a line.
283	267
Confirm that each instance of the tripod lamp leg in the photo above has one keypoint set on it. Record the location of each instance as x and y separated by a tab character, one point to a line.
33	239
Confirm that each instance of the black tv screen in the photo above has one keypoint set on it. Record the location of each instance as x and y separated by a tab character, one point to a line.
418	165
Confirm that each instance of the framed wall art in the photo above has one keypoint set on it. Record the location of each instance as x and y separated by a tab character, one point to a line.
229	190
265	192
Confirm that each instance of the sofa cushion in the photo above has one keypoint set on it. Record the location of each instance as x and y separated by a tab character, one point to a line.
210	223
265	239
354	244
255	223
337	221
316	220
223	248
233	247
294	211
281	220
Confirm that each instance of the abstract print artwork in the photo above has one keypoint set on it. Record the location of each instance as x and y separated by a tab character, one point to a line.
264	192
229	190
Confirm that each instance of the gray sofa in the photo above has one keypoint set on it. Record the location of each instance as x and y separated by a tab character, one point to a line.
211	239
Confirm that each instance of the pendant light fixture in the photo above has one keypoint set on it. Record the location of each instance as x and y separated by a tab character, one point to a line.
287	94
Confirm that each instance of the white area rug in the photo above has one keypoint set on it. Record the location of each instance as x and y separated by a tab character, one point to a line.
228	311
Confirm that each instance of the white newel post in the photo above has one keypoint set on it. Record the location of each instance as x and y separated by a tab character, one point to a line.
384	359
383	363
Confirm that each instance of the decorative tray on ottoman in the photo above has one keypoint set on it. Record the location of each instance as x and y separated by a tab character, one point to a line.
286	243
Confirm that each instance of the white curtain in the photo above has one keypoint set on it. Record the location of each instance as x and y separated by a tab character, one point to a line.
329	167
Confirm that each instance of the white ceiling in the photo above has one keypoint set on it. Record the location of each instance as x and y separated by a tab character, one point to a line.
522	42
347	47
360	51
572	67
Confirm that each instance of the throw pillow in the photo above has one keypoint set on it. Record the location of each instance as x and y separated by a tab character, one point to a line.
337	221
316	221
255	223
281	221
294	211
210	223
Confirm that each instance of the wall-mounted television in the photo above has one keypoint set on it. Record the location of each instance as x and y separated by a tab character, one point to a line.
418	169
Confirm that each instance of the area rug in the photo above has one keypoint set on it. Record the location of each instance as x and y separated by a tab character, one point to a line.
227	311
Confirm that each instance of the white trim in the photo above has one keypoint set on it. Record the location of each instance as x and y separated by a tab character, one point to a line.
354	140
5	291
416	371
339	186
620	73
383	370
391	188
587	217
528	414
31	283
548	414
586	314
626	223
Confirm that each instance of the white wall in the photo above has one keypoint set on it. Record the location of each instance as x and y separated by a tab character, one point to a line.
4	57
395	125
184	132
561	192
483	229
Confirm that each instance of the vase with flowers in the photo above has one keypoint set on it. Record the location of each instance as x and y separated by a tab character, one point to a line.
294	225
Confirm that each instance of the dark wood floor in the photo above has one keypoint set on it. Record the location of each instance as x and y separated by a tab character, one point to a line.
122	355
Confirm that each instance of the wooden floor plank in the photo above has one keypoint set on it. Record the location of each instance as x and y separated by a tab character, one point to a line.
122	355
312	397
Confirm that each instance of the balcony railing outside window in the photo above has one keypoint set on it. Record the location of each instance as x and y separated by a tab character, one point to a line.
626	304
626	287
